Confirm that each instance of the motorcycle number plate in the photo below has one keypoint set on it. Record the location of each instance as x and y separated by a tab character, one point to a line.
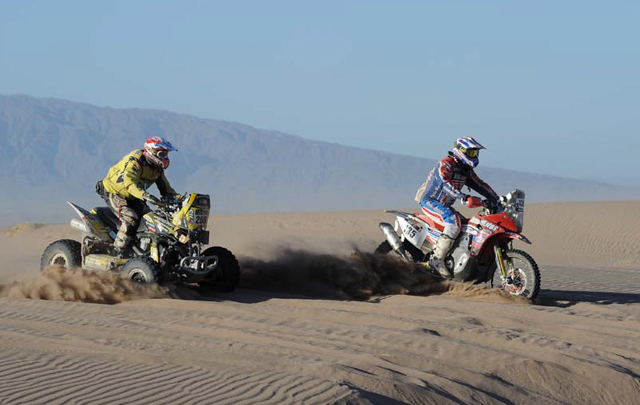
410	232
414	234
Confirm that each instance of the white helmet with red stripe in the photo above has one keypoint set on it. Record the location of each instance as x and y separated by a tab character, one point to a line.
157	150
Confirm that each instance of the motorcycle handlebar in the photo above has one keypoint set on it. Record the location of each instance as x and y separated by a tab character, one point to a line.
491	206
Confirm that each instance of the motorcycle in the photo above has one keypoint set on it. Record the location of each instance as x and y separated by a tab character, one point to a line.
168	246
483	246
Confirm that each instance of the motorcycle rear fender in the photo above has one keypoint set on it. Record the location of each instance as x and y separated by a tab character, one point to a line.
414	233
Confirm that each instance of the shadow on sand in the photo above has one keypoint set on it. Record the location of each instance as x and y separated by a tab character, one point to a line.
307	275
566	298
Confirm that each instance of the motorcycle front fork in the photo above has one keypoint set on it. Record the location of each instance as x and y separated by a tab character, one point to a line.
502	262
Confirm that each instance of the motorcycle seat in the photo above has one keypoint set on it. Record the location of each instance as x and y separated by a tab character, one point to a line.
108	217
435	225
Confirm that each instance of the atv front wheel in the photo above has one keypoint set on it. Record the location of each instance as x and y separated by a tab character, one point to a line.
64	253
228	271
141	271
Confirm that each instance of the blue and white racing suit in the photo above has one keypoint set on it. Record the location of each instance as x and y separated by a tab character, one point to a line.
442	188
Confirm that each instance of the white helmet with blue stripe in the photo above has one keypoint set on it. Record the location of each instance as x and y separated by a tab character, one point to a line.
467	151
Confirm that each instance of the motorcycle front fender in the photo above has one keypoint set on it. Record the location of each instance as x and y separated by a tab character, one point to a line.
518	236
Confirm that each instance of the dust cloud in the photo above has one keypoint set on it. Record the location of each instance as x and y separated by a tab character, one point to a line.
59	283
359	276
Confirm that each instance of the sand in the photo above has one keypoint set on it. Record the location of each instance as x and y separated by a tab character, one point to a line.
301	331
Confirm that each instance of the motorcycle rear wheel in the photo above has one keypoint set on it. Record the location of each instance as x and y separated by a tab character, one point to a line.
523	279
385	249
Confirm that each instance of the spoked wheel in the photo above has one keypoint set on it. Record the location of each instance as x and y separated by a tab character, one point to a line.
523	275
141	271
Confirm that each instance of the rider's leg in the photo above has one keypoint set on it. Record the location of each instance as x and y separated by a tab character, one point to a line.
449	219
128	219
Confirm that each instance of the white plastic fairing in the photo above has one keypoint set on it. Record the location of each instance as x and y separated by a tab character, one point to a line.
412	230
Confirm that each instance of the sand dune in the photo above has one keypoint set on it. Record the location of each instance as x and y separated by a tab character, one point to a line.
315	325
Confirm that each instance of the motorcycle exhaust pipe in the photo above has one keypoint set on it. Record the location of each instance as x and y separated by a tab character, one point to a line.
79	225
393	239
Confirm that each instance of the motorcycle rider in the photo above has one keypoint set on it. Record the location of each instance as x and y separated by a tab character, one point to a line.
443	187
126	184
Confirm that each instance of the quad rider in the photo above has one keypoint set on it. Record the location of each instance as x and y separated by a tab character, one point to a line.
126	184
441	190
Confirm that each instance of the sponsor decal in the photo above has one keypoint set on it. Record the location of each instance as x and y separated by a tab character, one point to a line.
488	225
469	230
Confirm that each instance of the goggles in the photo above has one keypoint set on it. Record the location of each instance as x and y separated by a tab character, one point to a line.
162	154
472	153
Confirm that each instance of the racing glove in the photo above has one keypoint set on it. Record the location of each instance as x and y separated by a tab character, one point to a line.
172	198
152	199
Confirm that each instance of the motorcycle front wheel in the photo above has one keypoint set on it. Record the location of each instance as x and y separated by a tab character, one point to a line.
523	275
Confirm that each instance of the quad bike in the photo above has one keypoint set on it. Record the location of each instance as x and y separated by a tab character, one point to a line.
167	247
483	246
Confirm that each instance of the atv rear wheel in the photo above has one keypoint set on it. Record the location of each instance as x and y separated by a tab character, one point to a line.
523	275
228	271
64	253
139	270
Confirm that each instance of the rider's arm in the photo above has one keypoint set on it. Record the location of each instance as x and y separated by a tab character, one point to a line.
481	187
164	186
445	170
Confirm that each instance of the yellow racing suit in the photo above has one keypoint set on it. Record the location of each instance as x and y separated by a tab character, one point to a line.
133	175
124	189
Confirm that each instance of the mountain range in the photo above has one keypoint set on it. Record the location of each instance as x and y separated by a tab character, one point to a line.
54	150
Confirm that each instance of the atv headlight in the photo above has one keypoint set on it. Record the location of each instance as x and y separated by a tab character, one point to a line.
183	238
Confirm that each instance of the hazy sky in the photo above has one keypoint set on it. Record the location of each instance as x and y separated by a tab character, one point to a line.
549	86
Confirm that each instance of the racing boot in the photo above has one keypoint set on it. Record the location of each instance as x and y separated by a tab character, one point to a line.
121	243
437	260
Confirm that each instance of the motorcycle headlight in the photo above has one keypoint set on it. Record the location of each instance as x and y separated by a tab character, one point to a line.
514	202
